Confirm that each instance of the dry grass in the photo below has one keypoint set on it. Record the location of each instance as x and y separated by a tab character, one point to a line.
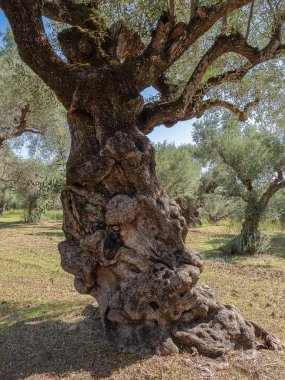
48	331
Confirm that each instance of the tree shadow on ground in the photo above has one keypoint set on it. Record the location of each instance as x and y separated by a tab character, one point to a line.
12	224
278	245
36	346
58	233
277	249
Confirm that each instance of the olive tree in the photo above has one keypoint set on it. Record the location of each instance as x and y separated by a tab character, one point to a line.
29	110
179	173
124	236
252	162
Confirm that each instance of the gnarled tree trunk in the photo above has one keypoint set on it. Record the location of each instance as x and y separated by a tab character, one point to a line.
125	237
251	237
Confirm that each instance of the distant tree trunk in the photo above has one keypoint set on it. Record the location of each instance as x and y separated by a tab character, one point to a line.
250	241
250	237
189	212
2	207
125	237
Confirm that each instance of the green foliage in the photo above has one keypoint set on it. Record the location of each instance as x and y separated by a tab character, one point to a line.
34	184
19	88
178	171
249	158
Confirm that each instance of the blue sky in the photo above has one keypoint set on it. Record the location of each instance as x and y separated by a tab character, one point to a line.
179	134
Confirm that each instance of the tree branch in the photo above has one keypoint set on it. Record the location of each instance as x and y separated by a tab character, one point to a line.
193	9
208	104
170	41
172	8
22	128
276	185
73	12
247	182
191	98
25	18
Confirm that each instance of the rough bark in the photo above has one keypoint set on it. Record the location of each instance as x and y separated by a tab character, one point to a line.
250	239
189	211
125	237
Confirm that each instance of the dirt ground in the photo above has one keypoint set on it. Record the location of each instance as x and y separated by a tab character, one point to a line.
48	331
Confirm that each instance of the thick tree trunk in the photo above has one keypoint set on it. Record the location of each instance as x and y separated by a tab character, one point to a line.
250	237
125	238
250	241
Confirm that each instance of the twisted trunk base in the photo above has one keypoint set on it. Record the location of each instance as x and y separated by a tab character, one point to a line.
125	247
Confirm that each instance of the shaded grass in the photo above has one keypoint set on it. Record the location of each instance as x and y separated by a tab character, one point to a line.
48	331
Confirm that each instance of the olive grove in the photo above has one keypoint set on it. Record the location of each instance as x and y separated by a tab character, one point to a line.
252	162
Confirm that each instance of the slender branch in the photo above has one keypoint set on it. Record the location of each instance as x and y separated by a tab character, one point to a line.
249	20
208	104
270	5
22	127
247	182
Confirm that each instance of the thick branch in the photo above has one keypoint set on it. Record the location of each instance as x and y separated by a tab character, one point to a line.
170	41
34	48
73	12
186	106
166	89
276	185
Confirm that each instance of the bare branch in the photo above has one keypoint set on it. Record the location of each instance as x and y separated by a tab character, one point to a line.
190	103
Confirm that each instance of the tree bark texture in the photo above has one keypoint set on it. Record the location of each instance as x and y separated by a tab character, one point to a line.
251	237
125	237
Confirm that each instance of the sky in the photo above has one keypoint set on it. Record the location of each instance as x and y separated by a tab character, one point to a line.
179	134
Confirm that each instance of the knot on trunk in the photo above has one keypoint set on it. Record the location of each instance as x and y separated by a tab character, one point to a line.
122	146
121	210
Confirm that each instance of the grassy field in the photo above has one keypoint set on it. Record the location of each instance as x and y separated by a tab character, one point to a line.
48	331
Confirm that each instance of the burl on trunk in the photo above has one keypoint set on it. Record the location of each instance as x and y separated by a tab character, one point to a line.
124	236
